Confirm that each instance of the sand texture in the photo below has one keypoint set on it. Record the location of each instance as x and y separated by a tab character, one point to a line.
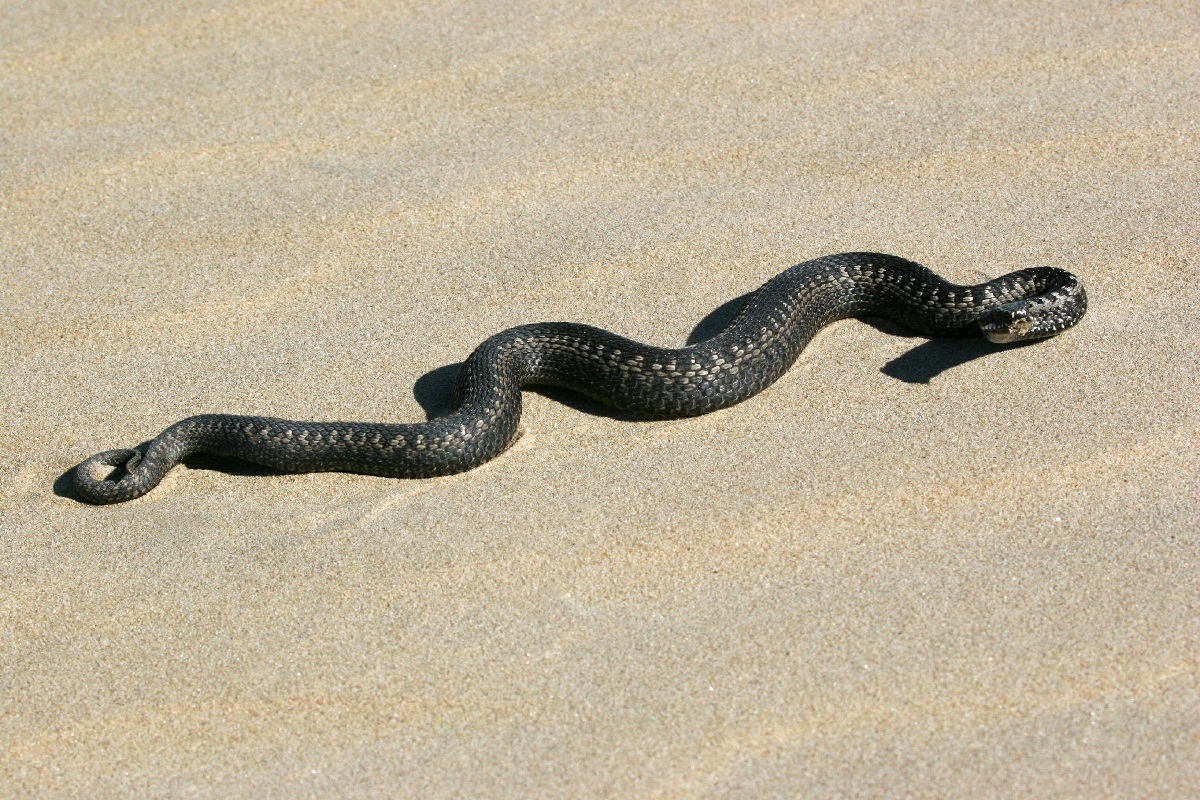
910	568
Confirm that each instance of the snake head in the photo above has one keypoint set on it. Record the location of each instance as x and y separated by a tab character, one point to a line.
1008	323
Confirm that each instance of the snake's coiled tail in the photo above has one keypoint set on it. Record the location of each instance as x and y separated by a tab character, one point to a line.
751	353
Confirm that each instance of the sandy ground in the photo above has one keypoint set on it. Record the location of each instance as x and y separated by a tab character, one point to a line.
910	568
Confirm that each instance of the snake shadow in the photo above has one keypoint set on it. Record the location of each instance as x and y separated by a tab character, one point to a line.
919	365
934	356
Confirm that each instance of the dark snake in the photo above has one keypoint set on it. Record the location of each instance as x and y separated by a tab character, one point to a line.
757	346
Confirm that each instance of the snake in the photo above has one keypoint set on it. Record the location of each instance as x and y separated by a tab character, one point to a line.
752	351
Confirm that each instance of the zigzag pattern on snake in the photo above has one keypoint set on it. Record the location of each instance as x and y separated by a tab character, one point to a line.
757	346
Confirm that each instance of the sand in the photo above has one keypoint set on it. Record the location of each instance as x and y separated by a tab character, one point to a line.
910	568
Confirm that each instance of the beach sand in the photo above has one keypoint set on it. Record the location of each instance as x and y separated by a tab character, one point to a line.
910	568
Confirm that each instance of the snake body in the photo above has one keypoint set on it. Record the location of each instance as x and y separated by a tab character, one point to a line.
757	346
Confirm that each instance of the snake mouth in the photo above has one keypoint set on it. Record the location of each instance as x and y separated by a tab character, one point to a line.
1008	323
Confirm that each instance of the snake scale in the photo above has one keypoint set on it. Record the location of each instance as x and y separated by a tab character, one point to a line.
757	346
